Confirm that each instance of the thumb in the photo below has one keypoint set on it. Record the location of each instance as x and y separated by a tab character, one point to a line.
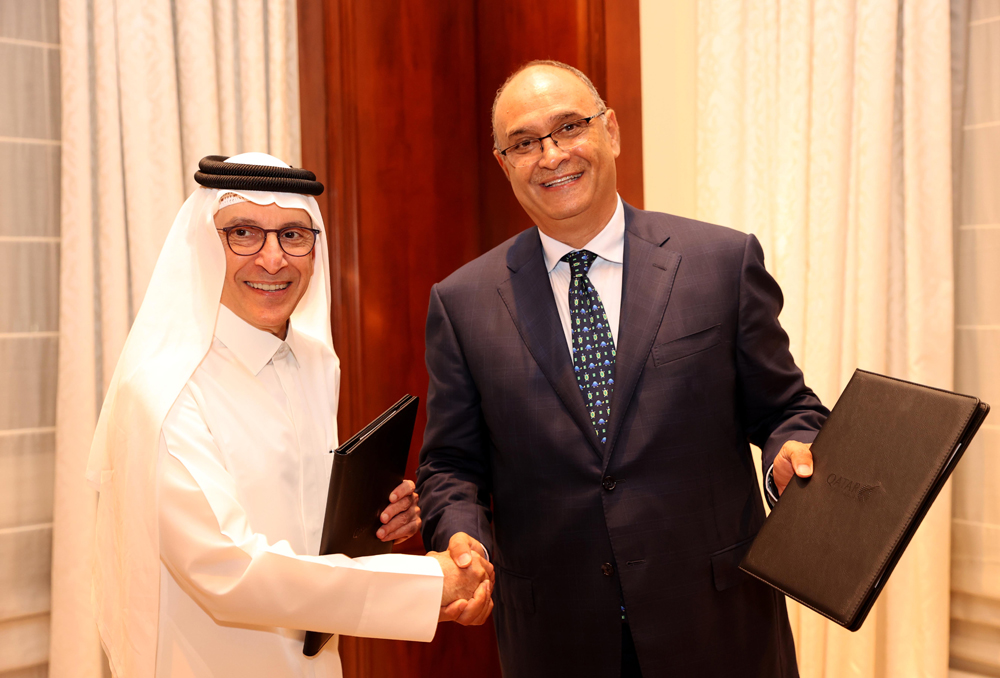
460	549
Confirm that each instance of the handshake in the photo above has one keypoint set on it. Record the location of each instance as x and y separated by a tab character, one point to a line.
468	581
467	597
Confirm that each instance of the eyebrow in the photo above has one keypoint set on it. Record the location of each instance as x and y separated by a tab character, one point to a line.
553	122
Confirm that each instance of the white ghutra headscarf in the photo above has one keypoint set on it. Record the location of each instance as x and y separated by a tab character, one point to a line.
172	333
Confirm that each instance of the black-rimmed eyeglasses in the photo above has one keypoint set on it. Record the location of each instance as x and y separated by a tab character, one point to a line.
568	135
295	241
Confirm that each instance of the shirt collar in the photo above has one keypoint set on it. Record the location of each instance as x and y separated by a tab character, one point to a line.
609	244
253	347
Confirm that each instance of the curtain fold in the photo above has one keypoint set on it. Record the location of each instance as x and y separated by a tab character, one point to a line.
824	126
148	88
975	547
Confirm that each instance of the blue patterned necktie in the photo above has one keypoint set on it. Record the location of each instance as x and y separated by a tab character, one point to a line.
593	345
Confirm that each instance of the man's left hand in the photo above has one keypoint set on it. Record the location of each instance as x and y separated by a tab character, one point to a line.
794	459
401	518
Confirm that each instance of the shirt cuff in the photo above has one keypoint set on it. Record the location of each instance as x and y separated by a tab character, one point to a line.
771	494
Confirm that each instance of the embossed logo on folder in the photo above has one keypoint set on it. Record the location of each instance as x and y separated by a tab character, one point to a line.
853	489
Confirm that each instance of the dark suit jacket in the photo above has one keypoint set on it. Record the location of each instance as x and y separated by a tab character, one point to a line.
659	517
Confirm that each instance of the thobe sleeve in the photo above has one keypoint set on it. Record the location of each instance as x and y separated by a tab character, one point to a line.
238	577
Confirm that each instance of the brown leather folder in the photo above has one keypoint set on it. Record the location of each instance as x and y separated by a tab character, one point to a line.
879	461
366	469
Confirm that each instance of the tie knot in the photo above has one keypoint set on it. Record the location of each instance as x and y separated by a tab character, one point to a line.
579	261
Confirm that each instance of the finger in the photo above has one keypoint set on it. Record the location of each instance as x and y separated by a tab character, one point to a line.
405	489
460	549
485	615
482	568
782	473
404	525
453	610
477	605
478	548
401	538
487	609
400	533
401	518
392	510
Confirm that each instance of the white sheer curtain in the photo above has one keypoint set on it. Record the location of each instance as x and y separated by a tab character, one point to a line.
975	545
148	88
824	126
29	329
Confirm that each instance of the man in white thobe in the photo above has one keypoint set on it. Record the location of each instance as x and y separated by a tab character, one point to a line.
213	488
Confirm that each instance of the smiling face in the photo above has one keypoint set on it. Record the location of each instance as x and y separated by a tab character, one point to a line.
264	288
570	194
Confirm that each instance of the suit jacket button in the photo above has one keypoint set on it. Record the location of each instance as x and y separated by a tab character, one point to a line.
609	483
607	569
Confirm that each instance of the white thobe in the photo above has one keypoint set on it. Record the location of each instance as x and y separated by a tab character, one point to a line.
243	471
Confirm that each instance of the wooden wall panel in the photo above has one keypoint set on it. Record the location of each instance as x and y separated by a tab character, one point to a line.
418	197
623	92
392	124
601	39
512	32
396	100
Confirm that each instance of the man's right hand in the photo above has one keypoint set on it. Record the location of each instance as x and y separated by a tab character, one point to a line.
467	595
462	548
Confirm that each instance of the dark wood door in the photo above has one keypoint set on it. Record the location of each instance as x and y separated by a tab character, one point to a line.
395	102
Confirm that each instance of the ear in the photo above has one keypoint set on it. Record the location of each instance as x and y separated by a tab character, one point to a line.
613	132
503	165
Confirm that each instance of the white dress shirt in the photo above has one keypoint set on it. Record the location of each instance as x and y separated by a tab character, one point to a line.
605	273
243	471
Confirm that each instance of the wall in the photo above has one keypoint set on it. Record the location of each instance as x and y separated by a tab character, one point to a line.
396	101
29	266
669	43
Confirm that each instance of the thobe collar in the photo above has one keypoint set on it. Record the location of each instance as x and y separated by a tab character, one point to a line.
609	244
253	347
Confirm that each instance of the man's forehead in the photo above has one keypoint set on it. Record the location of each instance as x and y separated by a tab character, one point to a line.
541	96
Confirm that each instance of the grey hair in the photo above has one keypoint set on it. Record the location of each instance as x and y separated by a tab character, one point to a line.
543	62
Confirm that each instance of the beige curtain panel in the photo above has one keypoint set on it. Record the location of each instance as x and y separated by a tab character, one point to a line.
824	126
975	538
148	88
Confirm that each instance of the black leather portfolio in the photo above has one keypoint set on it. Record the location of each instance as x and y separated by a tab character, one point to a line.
879	461
366	469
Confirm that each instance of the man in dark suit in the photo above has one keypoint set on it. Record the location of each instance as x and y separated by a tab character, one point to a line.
595	384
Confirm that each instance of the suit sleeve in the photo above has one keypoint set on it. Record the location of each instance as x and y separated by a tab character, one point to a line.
777	405
454	474
240	577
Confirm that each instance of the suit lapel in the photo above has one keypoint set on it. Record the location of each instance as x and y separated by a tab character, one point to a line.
528	297
647	279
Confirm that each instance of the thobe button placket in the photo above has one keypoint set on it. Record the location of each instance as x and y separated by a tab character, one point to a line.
297	411
609	483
